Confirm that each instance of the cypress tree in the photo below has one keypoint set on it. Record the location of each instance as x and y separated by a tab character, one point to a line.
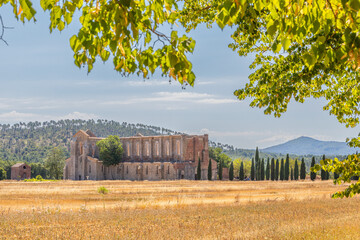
296	170
287	168
220	170
336	176
198	173
209	171
323	173
262	170
257	165
282	173
312	174
292	174
272	169
241	172
302	170
277	170
231	171
327	175
267	172
252	174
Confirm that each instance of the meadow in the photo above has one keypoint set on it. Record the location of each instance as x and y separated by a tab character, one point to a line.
176	210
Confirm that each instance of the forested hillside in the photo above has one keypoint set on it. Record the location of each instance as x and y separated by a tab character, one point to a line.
29	142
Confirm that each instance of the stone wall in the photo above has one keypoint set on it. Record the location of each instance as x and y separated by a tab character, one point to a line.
145	158
20	171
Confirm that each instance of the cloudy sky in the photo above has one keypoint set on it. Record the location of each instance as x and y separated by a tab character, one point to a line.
38	81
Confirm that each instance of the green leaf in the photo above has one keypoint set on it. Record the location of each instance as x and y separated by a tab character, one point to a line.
105	55
309	60
286	43
355	4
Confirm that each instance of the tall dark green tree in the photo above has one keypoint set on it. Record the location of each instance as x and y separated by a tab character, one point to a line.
323	172
257	165
312	174
326	174
272	169
277	170
198	172
267	172
296	170
292	174
252	173
282	170
2	174
302	170
231	171
209	171
262	170
220	170
287	168
336	176
241	172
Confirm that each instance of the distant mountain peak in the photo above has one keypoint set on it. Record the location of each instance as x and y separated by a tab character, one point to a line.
306	145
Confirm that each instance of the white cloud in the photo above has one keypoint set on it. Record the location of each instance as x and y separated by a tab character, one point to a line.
79	115
14	116
166	97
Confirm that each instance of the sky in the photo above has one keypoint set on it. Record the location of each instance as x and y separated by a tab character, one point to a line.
39	82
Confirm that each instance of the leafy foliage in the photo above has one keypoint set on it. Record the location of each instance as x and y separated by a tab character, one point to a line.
110	150
55	162
2	174
102	190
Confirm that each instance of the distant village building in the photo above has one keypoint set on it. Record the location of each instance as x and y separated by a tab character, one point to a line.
145	158
20	171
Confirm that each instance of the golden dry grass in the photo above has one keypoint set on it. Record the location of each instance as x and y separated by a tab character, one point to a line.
176	210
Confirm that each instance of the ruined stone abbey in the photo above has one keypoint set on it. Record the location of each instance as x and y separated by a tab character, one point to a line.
145	158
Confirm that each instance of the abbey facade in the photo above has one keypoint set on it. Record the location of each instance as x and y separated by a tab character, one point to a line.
145	158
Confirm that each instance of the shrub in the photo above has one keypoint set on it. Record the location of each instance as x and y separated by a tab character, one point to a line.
102	190
39	178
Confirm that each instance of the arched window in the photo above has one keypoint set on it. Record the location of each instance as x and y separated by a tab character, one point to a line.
157	148
81	148
128	149
147	149
167	146
127	169
89	168
147	170
178	147
168	169
137	149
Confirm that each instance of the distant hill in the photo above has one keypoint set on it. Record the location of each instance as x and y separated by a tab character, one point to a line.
311	146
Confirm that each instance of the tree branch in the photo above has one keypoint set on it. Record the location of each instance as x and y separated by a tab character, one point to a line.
2	30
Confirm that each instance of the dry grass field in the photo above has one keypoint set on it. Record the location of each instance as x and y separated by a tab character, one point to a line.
176	210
